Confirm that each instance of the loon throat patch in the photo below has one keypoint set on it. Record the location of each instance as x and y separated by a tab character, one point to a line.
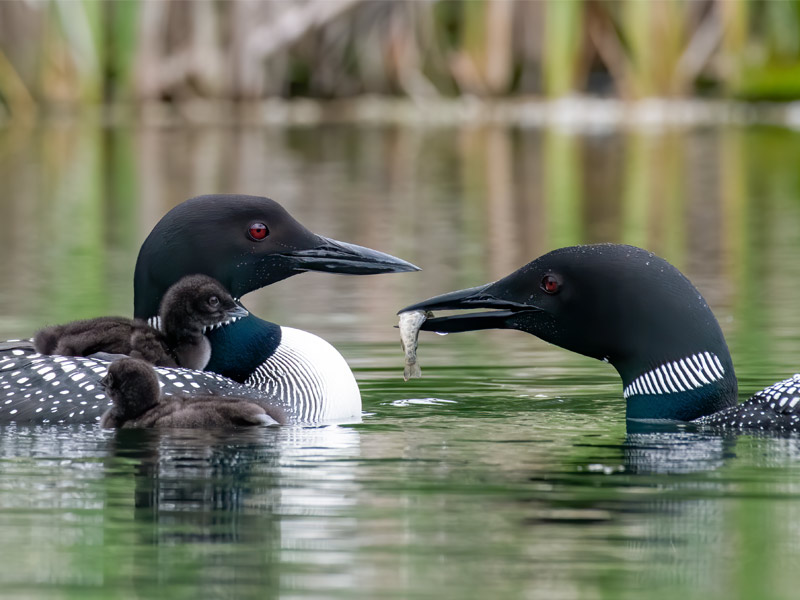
689	373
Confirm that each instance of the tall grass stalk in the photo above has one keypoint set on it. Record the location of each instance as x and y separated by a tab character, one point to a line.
562	43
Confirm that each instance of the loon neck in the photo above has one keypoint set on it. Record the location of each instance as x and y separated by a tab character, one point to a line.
684	387
237	349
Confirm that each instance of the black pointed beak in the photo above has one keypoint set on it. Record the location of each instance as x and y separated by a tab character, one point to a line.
482	296
333	256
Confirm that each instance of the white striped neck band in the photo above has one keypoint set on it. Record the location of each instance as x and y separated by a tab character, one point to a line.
155	322
688	373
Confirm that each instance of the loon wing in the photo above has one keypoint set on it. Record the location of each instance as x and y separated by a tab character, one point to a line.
17	345
36	388
775	408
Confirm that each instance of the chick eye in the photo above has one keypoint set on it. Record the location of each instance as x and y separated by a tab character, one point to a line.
213	301
257	231
550	284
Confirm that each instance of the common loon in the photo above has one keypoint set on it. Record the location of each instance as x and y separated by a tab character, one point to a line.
190	308
245	243
137	402
628	307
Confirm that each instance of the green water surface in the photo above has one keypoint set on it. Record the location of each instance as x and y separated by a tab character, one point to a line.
507	471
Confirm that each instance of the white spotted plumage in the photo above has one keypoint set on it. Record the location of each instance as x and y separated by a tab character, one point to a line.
775	408
305	375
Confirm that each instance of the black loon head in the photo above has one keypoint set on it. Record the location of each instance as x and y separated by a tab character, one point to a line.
615	303
244	242
195	304
133	387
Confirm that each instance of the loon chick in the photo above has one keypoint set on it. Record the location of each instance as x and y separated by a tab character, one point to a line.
193	305
137	402
245	243
628	307
191	308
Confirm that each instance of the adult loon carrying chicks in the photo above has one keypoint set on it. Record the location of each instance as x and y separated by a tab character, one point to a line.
245	243
628	307
191	308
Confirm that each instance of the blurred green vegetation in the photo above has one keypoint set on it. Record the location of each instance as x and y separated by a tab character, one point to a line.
89	51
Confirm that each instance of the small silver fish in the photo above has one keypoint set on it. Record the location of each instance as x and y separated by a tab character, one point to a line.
409	325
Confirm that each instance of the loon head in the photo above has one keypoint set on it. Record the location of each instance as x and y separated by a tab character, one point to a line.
133	387
244	242
619	304
196	304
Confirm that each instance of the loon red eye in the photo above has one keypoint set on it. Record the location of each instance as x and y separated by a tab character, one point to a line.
550	284
257	231
213	301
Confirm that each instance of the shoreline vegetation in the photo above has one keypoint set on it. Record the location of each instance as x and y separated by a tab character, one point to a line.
295	61
573	112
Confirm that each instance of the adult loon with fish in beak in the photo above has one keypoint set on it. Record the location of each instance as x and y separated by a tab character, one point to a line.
245	243
628	307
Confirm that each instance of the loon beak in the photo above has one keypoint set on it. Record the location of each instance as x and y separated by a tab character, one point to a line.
483	296
333	256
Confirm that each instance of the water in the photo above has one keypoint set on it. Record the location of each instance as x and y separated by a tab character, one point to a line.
507	471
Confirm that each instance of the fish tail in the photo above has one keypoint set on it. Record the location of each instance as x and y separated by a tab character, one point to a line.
412	372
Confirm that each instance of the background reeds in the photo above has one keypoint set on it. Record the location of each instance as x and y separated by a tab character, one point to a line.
89	51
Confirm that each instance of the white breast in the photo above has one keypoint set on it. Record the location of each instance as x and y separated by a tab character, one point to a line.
312	376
